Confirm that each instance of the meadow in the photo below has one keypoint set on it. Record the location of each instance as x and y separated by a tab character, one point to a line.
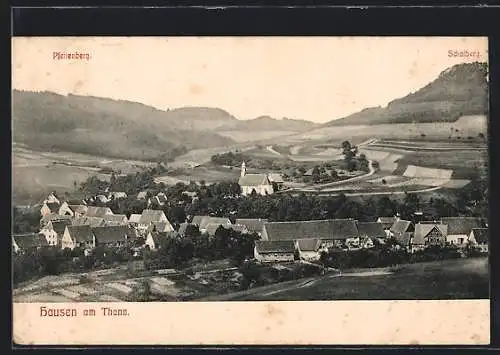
439	280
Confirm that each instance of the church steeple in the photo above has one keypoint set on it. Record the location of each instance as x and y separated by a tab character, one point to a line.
243	169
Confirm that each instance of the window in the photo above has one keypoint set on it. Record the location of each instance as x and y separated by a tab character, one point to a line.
460	240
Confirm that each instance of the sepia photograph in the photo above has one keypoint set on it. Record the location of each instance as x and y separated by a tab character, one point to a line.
208	169
183	169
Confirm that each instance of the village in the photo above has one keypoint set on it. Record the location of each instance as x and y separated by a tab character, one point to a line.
84	226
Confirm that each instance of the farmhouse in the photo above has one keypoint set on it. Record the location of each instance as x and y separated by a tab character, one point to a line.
161	227
54	231
78	236
74	210
153	239
459	229
276	180
115	219
204	221
89	221
343	230
370	233
309	249
28	241
400	227
112	236
93	211
387	223
254	183
143	195
150	216
134	219
52	218
52	198
274	251
102	199
49	208
428	234
479	238
117	195
253	225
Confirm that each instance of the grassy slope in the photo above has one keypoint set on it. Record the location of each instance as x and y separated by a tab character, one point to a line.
459	90
449	279
105	127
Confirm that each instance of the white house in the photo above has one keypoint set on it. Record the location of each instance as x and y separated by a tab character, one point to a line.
459	229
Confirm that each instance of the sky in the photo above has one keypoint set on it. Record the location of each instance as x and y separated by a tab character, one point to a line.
311	78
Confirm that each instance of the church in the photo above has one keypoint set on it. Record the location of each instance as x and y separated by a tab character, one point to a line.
260	183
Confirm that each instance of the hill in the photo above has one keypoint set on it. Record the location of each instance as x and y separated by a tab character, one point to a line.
460	90
105	127
267	123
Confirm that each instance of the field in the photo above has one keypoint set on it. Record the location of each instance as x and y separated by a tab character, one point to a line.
466	126
245	136
36	173
447	279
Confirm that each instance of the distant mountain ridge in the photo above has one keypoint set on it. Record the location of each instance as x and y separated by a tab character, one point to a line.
270	124
458	91
125	129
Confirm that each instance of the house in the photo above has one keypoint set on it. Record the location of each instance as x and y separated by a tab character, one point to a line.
459	229
117	195
94	211
276	180
344	231
400	227
428	234
387	223
479	238
203	221
50	208
115	220
72	210
52	198
404	241
162	227
89	221
274	251
78	236
153	239
54	231
371	233
51	218
148	216
253	225
309	249
28	241
160	199
134	219
143	195
113	236
254	183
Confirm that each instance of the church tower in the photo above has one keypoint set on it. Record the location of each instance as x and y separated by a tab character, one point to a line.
243	169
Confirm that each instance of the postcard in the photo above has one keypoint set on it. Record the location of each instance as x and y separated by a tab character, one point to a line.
250	190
